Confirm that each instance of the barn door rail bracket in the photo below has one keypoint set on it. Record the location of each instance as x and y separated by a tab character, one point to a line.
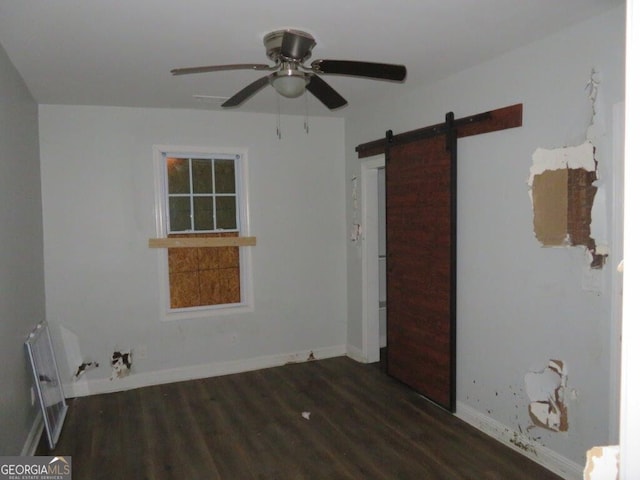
491	121
452	132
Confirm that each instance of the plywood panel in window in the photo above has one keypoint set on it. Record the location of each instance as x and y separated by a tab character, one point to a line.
184	289
202	276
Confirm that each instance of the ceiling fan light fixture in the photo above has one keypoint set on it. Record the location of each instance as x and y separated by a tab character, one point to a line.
289	83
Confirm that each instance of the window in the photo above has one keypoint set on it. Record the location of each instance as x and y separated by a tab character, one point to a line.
200	194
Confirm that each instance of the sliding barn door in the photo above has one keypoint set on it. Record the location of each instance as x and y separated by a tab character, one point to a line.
420	195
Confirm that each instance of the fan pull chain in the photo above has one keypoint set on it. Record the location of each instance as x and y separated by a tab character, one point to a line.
306	112
278	131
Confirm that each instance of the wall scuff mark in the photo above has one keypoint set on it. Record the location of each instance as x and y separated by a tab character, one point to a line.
120	364
546	391
524	443
83	367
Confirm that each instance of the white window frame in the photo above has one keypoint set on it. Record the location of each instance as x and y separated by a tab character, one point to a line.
160	152
192	195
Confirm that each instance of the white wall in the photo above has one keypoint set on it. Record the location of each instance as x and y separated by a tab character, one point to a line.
519	305
22	303
102	280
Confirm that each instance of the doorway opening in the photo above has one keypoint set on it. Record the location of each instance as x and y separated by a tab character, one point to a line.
374	311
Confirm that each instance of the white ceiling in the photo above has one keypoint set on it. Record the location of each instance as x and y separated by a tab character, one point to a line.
119	52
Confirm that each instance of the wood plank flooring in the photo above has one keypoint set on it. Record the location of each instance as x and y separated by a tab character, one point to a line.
249	426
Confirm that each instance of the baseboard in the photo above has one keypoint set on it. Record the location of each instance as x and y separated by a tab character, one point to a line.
540	454
33	439
86	387
356	354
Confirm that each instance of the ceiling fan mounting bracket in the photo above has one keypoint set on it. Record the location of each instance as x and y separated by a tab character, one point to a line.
273	43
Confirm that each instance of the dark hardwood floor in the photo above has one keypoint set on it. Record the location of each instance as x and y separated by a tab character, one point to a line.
363	425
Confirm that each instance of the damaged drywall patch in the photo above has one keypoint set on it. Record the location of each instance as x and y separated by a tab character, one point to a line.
562	191
120	364
546	392
550	200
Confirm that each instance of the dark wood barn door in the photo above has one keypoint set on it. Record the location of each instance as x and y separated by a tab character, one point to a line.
420	196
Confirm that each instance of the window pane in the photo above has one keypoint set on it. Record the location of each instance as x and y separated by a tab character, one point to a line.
179	214
178	175
201	172
226	213
225	176
203	213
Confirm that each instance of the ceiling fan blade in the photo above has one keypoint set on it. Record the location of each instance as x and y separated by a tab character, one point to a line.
325	93
296	44
381	71
219	68
247	92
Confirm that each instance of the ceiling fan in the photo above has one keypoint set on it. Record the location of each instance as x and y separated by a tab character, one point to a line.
289	49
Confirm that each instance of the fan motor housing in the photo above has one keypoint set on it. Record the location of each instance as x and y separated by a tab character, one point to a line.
273	43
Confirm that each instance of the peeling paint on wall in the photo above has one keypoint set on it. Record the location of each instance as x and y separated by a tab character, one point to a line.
563	190
546	392
120	364
83	367
581	156
602	463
